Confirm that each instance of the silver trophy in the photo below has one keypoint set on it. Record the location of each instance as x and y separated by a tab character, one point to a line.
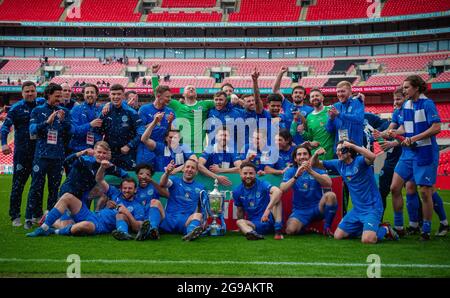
213	205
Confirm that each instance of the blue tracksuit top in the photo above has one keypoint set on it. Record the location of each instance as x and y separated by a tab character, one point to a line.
82	115
19	116
120	127
349	120
40	128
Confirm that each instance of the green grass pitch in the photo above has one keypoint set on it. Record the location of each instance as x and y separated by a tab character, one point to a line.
228	256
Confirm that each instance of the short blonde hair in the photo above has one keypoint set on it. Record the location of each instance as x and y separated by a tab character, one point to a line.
102	144
344	84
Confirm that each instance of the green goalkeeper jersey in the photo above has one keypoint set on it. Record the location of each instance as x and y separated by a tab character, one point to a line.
316	131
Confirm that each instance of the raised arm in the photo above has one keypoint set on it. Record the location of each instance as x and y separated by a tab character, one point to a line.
163	182
151	144
277	83
323	179
100	176
285	186
315	162
369	156
258	102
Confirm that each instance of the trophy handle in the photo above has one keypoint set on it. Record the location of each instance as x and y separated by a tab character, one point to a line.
204	204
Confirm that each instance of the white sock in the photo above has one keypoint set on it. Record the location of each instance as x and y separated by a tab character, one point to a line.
44	227
399	228
444	222
413	224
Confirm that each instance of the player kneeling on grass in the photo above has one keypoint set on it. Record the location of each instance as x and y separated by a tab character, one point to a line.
355	165
262	203
182	210
133	213
309	201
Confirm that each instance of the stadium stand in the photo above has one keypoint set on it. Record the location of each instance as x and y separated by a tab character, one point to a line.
107	11
30	10
263	82
404	7
443	77
198	82
184	17
93	80
341	67
88	67
387	79
331	82
266	11
188	3
248	11
444	111
379	109
312	81
334	10
20	66
444	163
413	63
321	72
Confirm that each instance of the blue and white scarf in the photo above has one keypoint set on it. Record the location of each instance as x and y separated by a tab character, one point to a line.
415	122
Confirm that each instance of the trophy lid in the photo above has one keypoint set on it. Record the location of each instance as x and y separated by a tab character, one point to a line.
215	193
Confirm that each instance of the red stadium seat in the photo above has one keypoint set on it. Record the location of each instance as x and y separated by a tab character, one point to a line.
188	3
387	79
107	11
334	10
30	10
404	7
184	17
266	11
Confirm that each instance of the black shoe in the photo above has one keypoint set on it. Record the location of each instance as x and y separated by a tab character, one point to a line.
119	235
254	236
412	231
400	232
425	237
194	234
143	231
443	230
154	233
391	233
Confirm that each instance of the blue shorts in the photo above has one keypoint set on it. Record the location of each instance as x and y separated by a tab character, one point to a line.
263	228
421	175
355	223
306	216
87	215
175	223
66	216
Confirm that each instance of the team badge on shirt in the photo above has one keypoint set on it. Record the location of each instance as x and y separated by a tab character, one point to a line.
124	118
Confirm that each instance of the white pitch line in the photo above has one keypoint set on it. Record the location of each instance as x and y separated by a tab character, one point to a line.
189	262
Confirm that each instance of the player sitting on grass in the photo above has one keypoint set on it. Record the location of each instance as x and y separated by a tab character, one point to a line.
182	210
262	203
148	193
134	212
309	201
86	222
354	164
